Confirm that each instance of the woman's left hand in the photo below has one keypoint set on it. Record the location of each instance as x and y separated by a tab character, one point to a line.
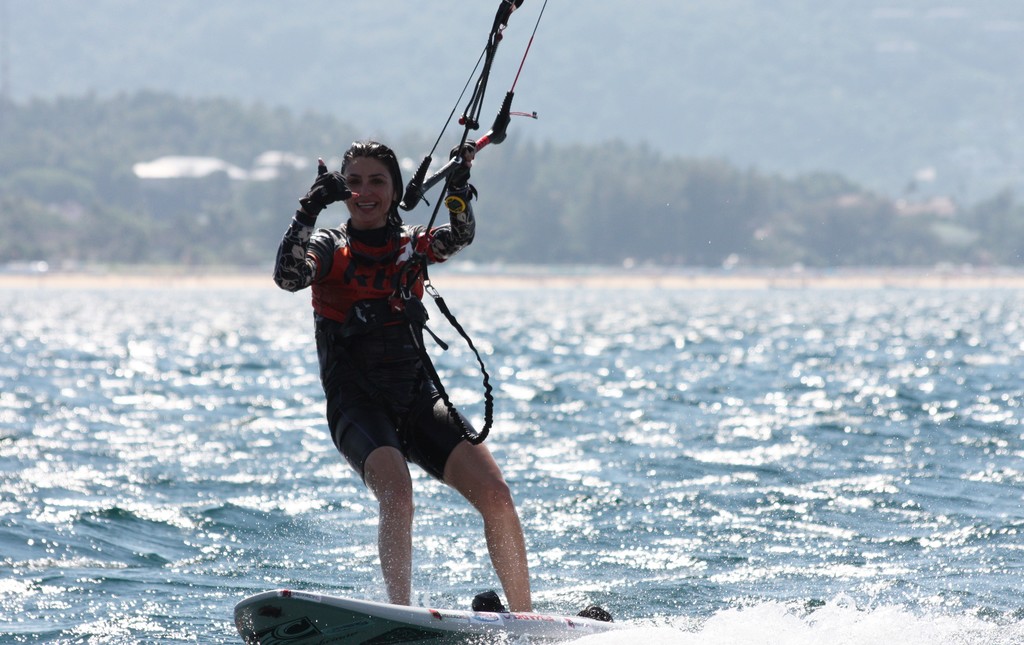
460	175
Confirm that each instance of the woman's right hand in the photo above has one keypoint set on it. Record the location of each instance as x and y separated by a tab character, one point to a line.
328	188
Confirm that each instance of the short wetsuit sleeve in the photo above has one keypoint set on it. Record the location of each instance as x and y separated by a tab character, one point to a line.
302	255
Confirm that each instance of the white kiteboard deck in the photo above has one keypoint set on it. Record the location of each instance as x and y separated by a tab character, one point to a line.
285	617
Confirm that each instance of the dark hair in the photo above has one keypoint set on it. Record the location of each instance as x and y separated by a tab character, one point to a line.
385	155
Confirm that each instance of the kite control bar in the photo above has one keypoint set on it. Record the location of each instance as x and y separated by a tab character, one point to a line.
420	183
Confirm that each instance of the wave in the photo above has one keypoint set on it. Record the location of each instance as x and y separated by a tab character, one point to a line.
839	621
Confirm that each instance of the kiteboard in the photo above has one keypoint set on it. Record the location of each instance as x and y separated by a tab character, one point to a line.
286	617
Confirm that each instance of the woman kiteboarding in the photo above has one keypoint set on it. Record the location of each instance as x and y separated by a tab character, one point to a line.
384	402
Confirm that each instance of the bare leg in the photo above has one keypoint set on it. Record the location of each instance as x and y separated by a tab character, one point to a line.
472	471
387	476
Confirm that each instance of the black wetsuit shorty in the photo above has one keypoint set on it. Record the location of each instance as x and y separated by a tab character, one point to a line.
379	395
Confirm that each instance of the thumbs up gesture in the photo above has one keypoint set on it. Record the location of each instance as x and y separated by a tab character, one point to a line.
328	188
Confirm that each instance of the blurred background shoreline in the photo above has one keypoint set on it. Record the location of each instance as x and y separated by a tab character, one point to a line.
547	277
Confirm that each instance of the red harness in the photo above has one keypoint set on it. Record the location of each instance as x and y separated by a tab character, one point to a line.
361	272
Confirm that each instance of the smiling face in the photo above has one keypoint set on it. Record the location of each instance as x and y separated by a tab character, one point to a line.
371	179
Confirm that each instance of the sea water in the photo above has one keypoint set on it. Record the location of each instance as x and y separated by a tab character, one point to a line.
764	466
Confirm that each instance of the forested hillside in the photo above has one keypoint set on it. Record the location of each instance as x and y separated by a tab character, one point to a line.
923	96
71	194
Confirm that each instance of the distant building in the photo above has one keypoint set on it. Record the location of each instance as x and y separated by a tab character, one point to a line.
266	167
940	206
173	167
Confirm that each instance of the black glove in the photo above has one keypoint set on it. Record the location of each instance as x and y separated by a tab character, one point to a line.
459	179
328	188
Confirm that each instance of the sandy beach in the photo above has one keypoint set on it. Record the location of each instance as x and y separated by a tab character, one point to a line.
546	278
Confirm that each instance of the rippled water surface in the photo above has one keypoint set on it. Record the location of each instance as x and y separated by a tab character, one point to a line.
776	466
